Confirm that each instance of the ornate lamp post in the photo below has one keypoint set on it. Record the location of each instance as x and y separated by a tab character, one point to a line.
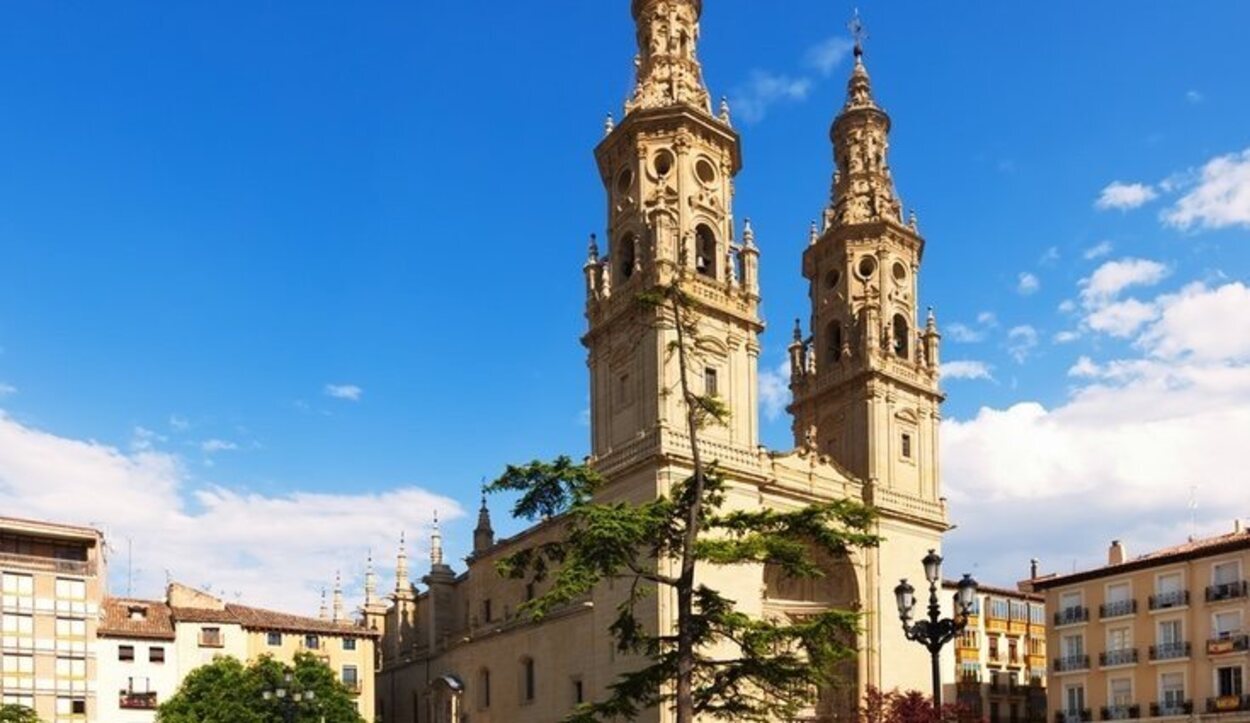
936	631
288	698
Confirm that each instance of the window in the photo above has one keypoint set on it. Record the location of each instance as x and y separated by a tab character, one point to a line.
312	642
1037	614
156	654
1121	692
18	665
211	638
1074	699
71	667
1226	573
1226	624
578	692
349	643
487	613
627	256
274	639
711	387
1073	646
624	392
21	585
1070	600
993	647
994	715
1013	651
1170	583
1019	611
1170	632
351	678
483	678
1119	639
71	706
902	343
1228	681
907	446
527	679
705	251
1172	690
833	342
67	589
71	628
999	609
126	653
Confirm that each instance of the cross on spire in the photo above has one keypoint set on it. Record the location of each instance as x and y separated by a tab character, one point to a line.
858	32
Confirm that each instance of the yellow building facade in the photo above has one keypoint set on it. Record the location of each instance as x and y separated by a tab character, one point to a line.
865	409
52	580
1163	635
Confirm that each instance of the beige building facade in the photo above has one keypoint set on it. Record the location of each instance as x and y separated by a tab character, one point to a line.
1163	635
52	580
865	410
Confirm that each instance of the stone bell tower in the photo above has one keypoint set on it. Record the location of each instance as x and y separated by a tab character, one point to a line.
865	382
668	170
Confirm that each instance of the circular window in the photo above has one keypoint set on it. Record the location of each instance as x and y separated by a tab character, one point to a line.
625	181
663	163
900	272
705	171
867	266
832	278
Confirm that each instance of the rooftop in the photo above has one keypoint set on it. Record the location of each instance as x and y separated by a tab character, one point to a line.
131	618
1190	550
49	529
997	591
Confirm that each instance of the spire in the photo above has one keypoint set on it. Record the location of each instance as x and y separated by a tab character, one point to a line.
322	611
748	234
483	534
401	567
337	610
371	581
859	88
436	544
667	64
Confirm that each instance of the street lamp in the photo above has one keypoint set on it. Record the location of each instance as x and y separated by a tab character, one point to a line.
288	697
936	631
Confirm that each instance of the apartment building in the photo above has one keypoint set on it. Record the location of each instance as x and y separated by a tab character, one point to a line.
138	667
1163	635
51	583
997	666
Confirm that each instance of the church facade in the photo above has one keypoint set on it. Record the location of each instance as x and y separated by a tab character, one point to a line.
865	409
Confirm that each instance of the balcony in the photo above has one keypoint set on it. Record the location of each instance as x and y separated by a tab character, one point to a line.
1165	600
47	564
1165	709
1070	663
1121	712
353	686
1226	644
1227	591
1074	716
1117	609
1228	703
1072	616
1170	651
1126	656
137	701
1003	685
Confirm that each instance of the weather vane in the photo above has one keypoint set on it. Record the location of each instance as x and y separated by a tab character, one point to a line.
856	26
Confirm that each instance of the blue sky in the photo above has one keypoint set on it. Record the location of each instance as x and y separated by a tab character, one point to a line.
285	257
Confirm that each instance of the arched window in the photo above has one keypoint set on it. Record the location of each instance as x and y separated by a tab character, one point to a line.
527	679
902	336
705	251
627	255
833	342
483	684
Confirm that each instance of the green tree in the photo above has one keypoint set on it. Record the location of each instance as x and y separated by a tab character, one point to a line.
226	691
18	714
776	667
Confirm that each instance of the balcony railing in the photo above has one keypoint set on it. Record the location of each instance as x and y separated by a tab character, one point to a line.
1170	651
1117	609
1121	712
1228	703
353	686
1227	591
1071	662
1165	600
1127	656
137	701
1003	685
1074	716
1162	710
1071	616
1228	644
47	564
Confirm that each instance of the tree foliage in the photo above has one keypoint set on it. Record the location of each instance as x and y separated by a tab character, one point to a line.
227	691
911	707
12	713
774	667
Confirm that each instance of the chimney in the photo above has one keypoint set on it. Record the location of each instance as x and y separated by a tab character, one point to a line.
1238	526
1117	554
1033	568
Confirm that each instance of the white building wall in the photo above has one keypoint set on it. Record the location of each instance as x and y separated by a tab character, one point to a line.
139	675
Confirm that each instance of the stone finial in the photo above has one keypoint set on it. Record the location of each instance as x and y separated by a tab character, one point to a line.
592	250
912	223
798	331
483	534
337	609
931	321
748	234
724	110
401	566
609	125
371	581
813	234
436	544
323	612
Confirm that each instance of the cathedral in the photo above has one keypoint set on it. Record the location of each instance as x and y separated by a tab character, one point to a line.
864	378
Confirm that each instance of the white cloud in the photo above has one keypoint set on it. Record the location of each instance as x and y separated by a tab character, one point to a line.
963	333
824	57
1221	197
349	392
1050	256
179	424
143	439
7	389
1021	340
967	369
1028	284
1194	96
1066	337
212	446
1125	196
1098	250
775	390
763	89
987	318
1122	318
276	550
1067	306
1115	460
1113	277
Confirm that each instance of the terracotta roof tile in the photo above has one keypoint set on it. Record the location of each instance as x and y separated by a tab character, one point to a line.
261	619
116	620
1184	551
204	615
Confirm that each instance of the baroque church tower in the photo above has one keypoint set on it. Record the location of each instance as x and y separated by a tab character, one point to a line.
865	384
668	170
